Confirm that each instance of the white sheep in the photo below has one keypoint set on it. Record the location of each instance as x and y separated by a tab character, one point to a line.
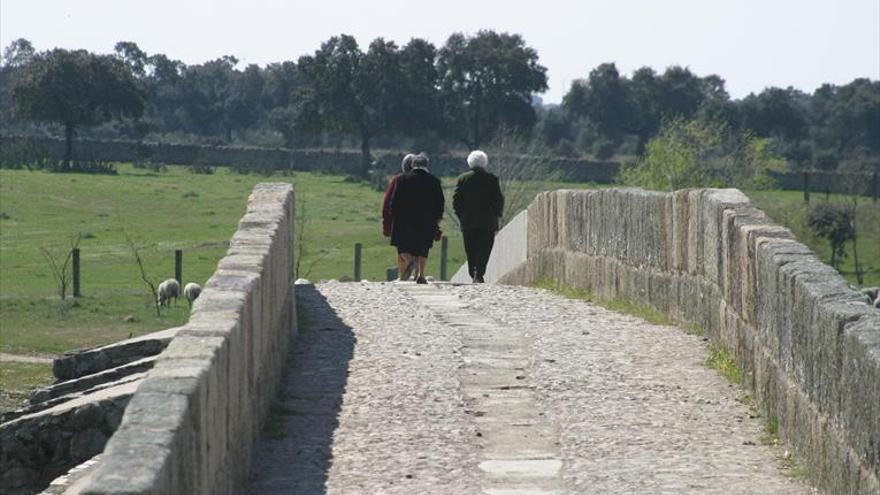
167	290
191	292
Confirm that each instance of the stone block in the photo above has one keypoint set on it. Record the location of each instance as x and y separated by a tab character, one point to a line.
75	364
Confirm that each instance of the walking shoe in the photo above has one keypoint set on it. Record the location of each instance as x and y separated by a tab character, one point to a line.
421	280
479	279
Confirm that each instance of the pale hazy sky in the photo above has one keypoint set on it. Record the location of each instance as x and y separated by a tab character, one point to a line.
750	43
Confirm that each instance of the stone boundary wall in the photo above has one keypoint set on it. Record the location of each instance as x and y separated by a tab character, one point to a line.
809	345
330	161
192	424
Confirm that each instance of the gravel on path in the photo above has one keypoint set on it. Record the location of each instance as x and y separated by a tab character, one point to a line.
374	403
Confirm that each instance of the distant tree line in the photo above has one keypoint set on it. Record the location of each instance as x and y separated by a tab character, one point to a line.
415	96
607	113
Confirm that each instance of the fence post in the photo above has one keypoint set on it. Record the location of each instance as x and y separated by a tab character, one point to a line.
807	187
875	189
76	286
444	252
357	262
178	266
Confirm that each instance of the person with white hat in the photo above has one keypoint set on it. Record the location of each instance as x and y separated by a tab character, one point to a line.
478	203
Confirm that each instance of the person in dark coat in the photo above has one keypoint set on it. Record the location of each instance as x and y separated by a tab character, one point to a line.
478	204
416	211
405	261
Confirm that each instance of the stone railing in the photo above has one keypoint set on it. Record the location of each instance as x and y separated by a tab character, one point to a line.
809	346
192	424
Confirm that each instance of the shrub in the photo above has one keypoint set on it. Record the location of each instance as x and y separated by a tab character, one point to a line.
834	223
702	153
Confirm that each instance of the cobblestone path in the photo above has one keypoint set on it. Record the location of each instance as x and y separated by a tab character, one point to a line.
397	388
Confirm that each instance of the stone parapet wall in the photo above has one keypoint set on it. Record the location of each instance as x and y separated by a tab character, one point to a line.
193	422
809	345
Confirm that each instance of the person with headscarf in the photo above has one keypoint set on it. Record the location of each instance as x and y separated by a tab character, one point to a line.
416	211
478	204
405	261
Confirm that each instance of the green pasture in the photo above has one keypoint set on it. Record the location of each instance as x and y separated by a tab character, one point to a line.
788	208
198	213
162	212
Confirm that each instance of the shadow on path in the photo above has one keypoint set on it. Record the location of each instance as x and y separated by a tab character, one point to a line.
295	454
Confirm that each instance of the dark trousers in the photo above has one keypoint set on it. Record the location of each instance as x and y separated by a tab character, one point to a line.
478	245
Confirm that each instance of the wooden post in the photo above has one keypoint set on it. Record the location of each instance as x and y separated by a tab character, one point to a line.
76	286
875	188
178	266
807	187
444	253
357	262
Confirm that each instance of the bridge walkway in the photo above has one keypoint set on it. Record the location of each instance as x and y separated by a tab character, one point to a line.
399	388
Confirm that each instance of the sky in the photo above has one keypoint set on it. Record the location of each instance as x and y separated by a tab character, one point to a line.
752	44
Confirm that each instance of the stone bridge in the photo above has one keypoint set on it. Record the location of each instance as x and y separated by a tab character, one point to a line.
500	388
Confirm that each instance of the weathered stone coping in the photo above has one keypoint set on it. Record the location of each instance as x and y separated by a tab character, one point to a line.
192	424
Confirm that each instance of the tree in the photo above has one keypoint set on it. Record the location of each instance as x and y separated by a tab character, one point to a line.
834	223
699	153
604	99
420	101
776	112
18	54
218	100
350	91
487	81
135	58
74	89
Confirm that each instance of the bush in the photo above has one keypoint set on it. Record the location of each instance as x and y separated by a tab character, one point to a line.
834	223
703	153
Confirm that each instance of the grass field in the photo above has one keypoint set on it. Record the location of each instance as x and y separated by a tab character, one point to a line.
198	214
788	208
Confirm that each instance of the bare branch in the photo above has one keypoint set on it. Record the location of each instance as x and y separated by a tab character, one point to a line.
140	262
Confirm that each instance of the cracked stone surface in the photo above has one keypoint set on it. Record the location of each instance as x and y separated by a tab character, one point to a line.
378	399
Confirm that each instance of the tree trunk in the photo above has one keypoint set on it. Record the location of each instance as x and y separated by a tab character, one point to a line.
68	146
860	278
366	157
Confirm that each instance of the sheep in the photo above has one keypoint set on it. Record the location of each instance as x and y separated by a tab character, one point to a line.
168	289
191	292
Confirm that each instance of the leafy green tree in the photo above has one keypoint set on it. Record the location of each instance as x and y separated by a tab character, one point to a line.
75	89
855	117
18	54
350	91
420	100
133	56
605	99
218	99
776	112
699	153
487	81
835	224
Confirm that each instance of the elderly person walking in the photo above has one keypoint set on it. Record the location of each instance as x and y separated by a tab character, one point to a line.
478	204
416	210
405	261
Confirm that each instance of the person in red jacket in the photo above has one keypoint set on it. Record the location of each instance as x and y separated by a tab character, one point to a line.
405	261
